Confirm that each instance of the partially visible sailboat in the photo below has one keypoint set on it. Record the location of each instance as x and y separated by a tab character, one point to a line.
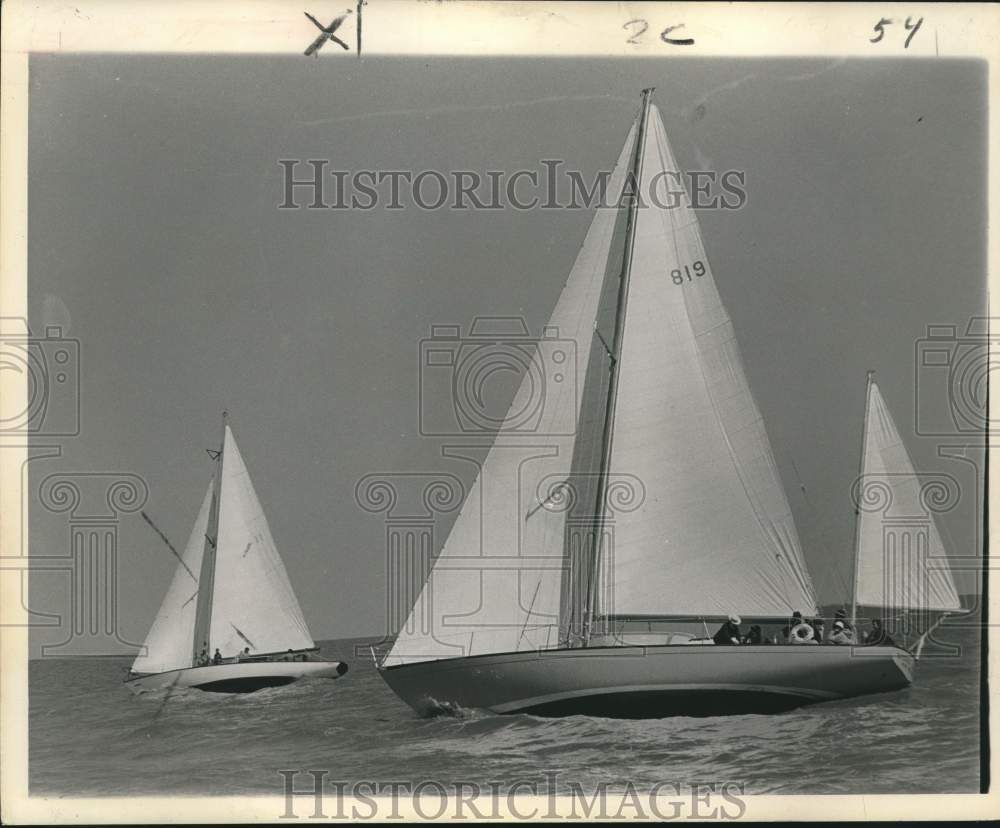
230	594
901	564
576	570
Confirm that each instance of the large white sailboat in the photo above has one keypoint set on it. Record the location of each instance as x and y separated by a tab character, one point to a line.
230	622
583	571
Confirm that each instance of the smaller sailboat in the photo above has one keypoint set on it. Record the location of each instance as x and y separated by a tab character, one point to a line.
230	622
901	566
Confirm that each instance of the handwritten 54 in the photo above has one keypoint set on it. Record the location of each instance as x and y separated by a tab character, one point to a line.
909	25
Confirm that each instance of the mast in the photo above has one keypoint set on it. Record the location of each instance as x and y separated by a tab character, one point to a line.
616	343
857	508
206	579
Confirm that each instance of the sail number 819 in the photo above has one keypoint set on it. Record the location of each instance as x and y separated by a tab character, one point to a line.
688	274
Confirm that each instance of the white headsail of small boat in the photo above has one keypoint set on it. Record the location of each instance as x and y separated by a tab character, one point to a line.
230	591
900	560
670	465
170	641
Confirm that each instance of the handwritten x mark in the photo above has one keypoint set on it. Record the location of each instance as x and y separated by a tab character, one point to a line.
327	33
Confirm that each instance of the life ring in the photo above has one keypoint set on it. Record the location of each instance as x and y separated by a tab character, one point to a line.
802	632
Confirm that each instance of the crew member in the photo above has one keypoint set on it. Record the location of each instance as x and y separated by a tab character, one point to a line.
878	636
818	629
841	634
729	633
841	615
786	632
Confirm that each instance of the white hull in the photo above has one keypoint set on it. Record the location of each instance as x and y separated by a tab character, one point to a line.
245	677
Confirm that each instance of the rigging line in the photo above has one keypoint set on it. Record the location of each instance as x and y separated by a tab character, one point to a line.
604	342
527	615
541	503
241	635
170	546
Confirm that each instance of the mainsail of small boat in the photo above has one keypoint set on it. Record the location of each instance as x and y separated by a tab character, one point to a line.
230	593
901	562
665	502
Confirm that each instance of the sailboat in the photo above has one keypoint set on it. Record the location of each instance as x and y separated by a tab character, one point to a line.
229	595
901	564
584	570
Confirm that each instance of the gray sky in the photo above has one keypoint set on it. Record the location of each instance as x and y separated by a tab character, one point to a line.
154	232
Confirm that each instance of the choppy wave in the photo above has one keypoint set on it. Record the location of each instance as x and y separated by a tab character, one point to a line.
90	736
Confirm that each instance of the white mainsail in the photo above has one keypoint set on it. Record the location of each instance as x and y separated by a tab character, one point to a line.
715	533
901	560
168	643
253	604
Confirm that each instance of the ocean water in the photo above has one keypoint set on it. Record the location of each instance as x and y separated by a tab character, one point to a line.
89	735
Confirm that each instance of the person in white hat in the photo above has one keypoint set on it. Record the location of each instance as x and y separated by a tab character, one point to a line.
729	633
841	634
